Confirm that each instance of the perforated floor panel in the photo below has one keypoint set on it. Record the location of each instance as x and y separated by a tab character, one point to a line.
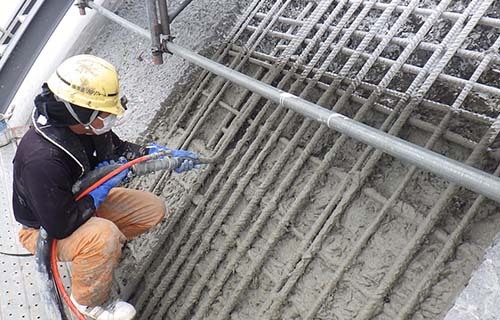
19	298
19	290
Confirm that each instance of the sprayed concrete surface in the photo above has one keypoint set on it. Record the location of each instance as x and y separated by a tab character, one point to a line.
200	27
296	221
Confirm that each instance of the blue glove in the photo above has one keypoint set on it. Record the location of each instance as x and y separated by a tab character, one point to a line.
187	163
154	148
100	193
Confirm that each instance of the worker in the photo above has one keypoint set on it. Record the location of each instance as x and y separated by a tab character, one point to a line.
70	135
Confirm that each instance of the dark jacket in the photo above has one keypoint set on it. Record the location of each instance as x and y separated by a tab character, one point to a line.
48	161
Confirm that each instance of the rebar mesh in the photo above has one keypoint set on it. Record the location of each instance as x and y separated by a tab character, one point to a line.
299	221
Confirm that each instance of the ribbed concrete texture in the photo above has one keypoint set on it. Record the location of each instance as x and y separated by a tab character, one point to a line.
296	221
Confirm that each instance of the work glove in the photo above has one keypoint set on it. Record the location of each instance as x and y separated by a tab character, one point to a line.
187	156
100	193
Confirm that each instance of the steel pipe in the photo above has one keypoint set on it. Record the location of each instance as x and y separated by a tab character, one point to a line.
181	7
133	27
155	30
123	22
449	169
164	18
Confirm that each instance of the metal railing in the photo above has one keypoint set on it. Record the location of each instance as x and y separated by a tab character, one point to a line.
18	24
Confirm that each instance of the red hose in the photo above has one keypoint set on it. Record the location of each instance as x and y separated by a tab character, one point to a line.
111	175
60	285
53	257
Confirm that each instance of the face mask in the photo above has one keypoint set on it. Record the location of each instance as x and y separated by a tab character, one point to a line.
107	122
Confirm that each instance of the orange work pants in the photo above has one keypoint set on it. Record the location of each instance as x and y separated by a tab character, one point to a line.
95	247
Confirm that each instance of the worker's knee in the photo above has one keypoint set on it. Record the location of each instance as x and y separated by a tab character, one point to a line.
161	211
157	211
104	236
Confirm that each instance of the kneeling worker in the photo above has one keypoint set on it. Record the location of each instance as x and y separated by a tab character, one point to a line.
70	135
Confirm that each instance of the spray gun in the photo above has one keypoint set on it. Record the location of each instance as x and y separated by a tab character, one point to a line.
152	163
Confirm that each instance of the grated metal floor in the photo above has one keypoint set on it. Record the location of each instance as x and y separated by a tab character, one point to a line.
299	222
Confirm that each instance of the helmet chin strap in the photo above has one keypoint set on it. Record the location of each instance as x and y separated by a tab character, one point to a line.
93	116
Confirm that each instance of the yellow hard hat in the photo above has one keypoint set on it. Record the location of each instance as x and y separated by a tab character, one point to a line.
89	82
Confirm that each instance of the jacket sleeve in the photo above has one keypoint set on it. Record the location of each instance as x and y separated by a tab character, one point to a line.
48	189
127	149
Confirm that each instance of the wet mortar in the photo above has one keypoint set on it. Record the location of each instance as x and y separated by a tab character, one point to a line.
286	228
